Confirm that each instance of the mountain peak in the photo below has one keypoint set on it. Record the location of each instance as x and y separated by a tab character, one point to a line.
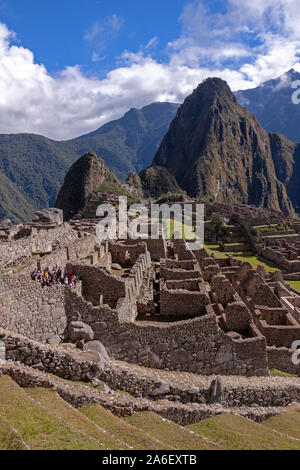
271	102
213	87
217	151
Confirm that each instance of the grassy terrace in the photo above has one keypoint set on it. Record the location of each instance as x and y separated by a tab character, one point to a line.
170	434
38	418
250	258
294	284
234	432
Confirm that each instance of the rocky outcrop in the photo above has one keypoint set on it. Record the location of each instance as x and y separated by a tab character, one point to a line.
286	157
218	151
154	182
87	173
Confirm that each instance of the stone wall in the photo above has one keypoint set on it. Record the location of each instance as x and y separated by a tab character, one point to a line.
97	283
281	359
80	249
100	287
127	253
47	358
29	309
274	255
40	240
277	335
182	302
197	345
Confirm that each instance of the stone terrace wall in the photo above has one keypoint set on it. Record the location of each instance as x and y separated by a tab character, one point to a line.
33	311
14	253
197	345
46	358
97	283
17	251
281	359
78	250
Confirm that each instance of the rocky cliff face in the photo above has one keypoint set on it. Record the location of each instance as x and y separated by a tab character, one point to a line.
84	176
217	150
271	102
85	180
154	182
286	157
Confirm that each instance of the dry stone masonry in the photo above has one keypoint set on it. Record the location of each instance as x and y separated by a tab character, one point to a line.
153	305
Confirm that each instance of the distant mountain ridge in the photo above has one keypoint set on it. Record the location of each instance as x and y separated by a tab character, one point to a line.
210	147
33	167
271	102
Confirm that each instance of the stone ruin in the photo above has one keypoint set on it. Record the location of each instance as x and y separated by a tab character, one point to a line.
164	307
286	254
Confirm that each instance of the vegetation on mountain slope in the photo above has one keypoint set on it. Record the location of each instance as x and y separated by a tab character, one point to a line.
217	151
154	181
271	102
36	166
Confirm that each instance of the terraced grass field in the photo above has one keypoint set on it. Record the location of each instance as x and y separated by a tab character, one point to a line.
123	430
39	419
235	433
36	426
287	423
169	433
250	258
294	284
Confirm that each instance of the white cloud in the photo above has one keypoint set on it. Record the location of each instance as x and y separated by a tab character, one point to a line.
101	32
69	103
152	43
246	45
261	38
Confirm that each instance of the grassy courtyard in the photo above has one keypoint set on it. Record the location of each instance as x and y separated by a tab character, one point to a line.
250	258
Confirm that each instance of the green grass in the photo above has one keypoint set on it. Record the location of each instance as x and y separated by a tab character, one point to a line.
237	433
38	429
52	401
287	422
9	438
280	373
255	261
186	230
294	284
250	258
283	235
132	435
169	433
234	244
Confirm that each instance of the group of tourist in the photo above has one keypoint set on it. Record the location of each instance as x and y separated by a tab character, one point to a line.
55	276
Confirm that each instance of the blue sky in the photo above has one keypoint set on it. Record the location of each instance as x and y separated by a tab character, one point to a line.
67	67
61	32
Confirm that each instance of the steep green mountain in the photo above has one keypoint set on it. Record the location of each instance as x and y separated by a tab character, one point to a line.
272	104
13	201
87	177
154	182
130	143
286	157
33	167
218	151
